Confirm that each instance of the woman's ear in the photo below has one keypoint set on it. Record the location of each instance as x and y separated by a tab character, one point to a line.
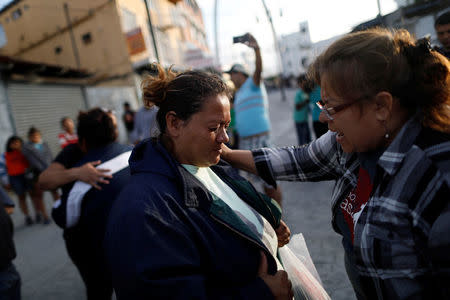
173	124
383	106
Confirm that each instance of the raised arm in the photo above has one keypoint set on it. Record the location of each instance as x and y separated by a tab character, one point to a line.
252	43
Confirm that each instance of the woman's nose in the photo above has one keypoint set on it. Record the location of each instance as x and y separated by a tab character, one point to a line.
223	136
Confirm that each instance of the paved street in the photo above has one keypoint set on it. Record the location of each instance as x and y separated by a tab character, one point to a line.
47	273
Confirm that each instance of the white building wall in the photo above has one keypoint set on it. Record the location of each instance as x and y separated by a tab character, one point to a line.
295	48
425	26
113	98
6	128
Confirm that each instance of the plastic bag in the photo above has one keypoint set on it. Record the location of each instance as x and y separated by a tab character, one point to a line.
302	273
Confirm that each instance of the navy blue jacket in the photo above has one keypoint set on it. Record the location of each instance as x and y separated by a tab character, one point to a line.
7	249
168	237
96	203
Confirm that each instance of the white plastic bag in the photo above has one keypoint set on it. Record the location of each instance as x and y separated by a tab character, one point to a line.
300	268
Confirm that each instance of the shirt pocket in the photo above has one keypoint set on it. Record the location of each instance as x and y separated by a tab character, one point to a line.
392	248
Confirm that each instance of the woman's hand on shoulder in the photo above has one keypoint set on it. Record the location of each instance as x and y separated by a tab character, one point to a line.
90	174
283	234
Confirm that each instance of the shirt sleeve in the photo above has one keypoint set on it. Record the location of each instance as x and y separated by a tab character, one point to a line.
69	156
314	162
298	97
5	200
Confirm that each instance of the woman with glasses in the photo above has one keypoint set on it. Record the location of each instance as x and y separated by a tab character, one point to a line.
385	98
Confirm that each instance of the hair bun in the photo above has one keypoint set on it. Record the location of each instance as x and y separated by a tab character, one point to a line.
154	87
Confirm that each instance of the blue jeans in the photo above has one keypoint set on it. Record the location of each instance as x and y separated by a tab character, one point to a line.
303	134
9	283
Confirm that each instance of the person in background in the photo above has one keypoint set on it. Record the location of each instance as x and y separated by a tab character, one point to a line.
9	277
83	213
3	172
442	27
16	166
69	136
251	110
319	127
386	101
186	227
39	155
144	123
301	110
128	118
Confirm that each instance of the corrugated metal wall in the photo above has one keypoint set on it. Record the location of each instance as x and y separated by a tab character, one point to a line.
43	106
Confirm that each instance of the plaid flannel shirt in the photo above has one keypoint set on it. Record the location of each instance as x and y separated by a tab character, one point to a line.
402	238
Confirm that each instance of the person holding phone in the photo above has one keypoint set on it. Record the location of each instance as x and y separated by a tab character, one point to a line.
252	110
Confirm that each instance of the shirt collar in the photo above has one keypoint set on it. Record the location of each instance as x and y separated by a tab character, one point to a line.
393	157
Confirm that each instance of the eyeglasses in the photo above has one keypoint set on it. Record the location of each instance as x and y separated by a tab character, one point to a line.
330	111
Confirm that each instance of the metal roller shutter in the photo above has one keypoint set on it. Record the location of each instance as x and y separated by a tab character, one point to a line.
43	106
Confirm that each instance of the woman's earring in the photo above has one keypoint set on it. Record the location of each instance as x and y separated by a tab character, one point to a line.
386	135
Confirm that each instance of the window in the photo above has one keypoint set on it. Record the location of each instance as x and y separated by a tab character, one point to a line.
304	62
87	38
58	50
16	14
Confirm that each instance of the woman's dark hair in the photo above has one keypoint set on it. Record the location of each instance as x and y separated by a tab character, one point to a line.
361	64
33	130
96	127
11	140
183	93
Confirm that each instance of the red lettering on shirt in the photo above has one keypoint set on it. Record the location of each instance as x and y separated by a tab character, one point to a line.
353	205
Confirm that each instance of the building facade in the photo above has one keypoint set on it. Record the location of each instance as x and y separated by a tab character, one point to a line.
416	16
296	50
59	57
108	38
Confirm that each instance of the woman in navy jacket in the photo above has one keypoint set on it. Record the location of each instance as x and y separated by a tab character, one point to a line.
187	226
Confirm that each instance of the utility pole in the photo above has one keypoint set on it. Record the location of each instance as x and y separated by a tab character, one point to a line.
75	51
379	12
150	25
379	7
216	40
277	51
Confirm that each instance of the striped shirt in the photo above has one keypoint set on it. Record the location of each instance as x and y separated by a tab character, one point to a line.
402	237
251	109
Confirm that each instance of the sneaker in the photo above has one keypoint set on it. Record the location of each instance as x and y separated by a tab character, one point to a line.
28	221
38	218
46	221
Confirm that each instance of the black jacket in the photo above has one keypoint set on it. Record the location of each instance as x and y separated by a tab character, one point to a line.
7	249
